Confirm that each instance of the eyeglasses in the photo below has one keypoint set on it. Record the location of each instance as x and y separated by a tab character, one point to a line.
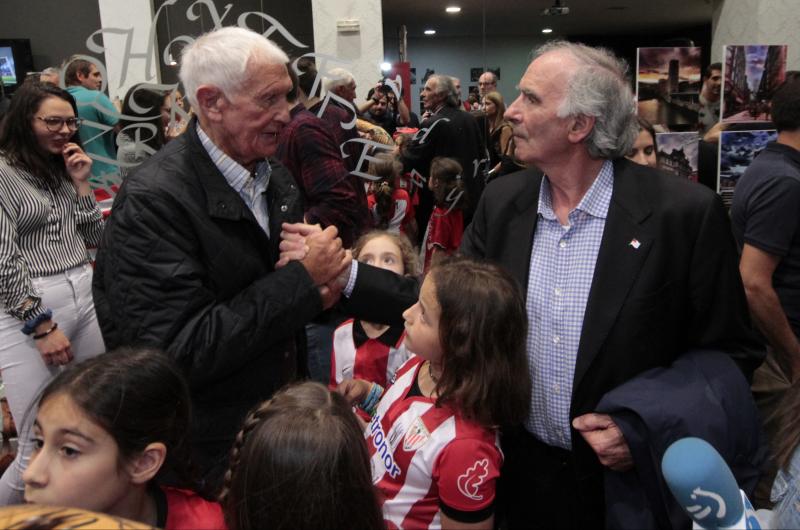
55	124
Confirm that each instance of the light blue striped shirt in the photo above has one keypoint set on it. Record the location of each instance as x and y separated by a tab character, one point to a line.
251	188
559	279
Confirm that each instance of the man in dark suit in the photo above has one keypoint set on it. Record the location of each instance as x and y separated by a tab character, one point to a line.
448	131
624	269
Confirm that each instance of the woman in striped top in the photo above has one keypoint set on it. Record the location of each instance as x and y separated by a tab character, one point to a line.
48	216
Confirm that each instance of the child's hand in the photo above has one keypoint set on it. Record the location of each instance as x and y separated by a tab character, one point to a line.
354	390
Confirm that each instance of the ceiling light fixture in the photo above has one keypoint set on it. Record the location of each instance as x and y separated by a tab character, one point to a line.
385	67
430	32
453	9
547	30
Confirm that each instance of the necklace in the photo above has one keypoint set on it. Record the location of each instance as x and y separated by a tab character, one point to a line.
430	373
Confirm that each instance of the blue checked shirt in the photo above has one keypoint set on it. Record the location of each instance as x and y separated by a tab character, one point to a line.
559	279
250	187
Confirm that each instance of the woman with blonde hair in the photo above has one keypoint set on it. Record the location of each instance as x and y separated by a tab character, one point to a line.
500	142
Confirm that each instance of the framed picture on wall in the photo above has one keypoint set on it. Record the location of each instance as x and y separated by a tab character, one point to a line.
737	149
668	82
749	78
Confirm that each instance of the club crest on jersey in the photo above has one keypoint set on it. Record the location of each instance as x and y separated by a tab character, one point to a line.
470	481
416	436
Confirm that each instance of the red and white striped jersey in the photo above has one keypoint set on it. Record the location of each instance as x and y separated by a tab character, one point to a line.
423	455
356	356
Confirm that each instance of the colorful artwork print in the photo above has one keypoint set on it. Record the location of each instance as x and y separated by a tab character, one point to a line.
737	149
678	153
668	82
751	74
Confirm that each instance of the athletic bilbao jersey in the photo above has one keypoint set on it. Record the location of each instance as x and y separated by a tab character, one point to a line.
423	456
356	356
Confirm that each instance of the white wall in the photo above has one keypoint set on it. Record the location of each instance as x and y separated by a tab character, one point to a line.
363	49
757	22
455	56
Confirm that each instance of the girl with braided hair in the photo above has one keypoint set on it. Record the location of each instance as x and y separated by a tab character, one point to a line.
105	432
301	462
389	204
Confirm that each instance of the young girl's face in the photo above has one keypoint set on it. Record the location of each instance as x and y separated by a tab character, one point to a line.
382	252
422	324
75	461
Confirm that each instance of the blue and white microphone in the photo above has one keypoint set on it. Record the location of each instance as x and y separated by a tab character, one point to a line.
704	486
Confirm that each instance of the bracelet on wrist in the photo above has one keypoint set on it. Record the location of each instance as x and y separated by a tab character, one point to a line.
46	333
30	325
370	402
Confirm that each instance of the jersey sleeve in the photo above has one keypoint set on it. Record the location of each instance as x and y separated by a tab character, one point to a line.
772	218
466	475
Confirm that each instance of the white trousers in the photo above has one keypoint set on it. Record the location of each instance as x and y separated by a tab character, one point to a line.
69	295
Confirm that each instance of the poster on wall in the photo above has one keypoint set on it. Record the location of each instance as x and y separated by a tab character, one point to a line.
668	82
737	149
475	73
8	73
751	73
678	153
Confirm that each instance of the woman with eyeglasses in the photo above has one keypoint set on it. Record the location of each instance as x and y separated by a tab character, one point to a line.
48	217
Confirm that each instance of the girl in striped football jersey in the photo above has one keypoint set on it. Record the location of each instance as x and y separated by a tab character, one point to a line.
364	350
433	436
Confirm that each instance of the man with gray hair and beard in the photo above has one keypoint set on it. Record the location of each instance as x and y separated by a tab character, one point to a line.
624	268
188	259
450	132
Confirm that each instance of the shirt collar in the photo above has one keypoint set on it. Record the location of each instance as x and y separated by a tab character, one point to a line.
235	174
389	338
595	202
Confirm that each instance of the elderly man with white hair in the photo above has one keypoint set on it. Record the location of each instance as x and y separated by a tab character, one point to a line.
188	259
624	269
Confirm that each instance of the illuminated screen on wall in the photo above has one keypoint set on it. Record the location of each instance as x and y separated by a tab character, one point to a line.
7	71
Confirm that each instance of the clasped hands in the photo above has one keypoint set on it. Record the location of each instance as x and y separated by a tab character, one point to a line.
321	253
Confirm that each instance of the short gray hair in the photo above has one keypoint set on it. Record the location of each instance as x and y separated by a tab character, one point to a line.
220	58
446	86
336	78
599	88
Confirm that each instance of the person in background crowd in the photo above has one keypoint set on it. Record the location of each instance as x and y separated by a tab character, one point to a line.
446	224
390	204
50	75
331	195
644	151
143	126
188	259
450	132
106	430
710	97
385	109
342	83
766	223
487	82
500	142
48	217
362	349
340	122
300	462
84	81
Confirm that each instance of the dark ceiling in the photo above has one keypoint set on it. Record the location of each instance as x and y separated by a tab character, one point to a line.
523	17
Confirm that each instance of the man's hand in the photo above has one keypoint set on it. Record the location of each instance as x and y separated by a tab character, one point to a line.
293	242
326	259
605	438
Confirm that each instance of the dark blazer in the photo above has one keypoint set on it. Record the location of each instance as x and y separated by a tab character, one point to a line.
679	289
457	137
184	266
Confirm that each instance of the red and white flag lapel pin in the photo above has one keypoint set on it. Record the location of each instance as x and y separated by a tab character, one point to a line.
634	243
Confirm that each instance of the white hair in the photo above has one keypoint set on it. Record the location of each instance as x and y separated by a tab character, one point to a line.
220	58
336	78
599	87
